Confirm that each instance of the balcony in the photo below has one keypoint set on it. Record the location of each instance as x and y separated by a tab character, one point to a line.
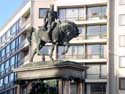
24	59
24	43
72	57
95	56
98	36
25	23
96	76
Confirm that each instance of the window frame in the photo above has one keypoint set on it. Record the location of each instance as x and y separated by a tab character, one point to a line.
120	82
45	9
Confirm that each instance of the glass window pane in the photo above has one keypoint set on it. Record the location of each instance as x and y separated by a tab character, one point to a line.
93	71
13	45
3	53
81	13
72	14
2	67
122	19
104	12
74	52
98	88
12	61
62	14
94	12
103	31
122	61
8	49
13	29
122	40
122	2
11	77
93	31
8	34
1	82
42	12
122	83
103	71
7	64
96	51
6	80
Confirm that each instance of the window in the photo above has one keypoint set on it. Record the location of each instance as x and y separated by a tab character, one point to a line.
96	31
122	83
6	80
93	71
42	12
2	69
82	33
122	2
12	61
74	52
11	78
8	50
96	51
13	29
122	19
122	40
103	71
72	14
95	13
1	83
3	38
46	50
8	33
13	45
98	88
96	71
122	61
3	53
7	65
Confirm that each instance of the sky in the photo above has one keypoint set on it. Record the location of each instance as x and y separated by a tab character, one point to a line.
7	9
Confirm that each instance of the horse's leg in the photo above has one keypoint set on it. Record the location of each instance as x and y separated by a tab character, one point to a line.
32	55
38	46
51	54
67	48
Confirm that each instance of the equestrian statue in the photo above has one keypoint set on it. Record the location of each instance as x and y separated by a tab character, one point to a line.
53	31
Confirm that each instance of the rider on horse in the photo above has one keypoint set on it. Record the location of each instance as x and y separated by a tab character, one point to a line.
49	20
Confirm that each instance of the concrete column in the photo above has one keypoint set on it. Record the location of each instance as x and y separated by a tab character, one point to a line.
18	89
66	87
60	87
80	89
29	87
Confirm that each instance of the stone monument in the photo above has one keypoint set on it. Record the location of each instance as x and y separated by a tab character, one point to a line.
45	77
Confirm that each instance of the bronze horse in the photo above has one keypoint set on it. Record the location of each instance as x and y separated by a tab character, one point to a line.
61	34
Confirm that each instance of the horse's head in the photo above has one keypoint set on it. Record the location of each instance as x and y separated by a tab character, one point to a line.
71	30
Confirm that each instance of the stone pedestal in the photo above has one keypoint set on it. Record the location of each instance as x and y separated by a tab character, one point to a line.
63	71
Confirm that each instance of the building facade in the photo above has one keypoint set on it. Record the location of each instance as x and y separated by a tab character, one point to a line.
116	47
91	47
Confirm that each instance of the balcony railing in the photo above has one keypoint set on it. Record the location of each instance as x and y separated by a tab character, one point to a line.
24	59
96	76
96	56
72	57
96	17
97	36
25	23
24	43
